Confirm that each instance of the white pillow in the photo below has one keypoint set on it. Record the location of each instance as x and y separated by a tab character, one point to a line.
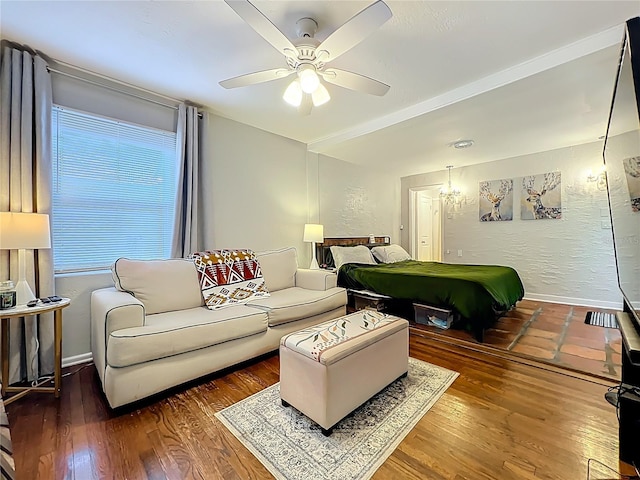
390	254
358	254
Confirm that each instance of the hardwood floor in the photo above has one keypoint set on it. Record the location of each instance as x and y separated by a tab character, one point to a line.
501	419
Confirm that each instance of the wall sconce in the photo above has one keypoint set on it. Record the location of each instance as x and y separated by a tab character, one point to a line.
600	179
451	195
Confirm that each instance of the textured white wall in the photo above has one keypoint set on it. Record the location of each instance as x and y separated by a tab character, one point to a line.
568	260
356	201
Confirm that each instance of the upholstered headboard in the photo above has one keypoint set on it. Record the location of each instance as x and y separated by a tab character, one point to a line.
323	250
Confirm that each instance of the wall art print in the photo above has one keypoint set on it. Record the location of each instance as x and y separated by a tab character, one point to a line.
541	196
632	171
495	203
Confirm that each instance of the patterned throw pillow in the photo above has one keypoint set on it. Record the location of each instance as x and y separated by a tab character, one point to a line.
229	277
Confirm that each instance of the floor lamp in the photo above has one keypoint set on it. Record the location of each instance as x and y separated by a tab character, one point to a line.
22	231
313	233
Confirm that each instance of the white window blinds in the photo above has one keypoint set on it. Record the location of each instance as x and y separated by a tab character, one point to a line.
114	187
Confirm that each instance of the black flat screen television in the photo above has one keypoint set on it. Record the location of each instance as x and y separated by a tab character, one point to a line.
622	160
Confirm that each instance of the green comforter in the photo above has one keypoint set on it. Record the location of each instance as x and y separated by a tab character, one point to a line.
476	292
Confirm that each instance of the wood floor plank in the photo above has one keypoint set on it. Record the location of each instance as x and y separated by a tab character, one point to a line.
83	460
502	418
32	420
96	416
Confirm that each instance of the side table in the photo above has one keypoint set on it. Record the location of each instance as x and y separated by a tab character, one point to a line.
24	311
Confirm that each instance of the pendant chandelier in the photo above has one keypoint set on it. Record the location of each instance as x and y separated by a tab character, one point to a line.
450	195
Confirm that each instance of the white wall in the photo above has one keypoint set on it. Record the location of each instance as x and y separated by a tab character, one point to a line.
356	201
570	260
255	187
76	324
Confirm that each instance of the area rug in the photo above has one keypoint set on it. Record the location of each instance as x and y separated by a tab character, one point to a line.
292	447
601	319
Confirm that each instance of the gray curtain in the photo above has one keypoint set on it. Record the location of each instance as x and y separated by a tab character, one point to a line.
185	234
25	186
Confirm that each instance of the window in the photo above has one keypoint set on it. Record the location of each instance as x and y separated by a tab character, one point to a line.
114	188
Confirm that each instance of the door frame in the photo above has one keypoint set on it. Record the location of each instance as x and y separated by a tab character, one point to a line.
413	196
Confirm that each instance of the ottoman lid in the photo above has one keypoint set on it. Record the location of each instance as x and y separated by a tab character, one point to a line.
336	339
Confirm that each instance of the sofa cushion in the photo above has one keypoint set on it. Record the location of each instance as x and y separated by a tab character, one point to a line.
161	285
172	333
279	268
229	277
296	303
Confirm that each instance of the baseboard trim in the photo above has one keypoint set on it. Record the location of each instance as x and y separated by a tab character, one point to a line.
77	359
583	302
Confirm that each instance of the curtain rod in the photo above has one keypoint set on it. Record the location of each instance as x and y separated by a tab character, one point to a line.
117	90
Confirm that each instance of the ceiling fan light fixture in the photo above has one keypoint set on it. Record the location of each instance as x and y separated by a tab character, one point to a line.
320	96
309	80
293	94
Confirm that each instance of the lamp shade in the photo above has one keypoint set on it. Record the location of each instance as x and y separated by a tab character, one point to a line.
24	231
313	233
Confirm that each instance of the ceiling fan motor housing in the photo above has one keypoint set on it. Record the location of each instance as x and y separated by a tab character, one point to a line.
306	44
306	27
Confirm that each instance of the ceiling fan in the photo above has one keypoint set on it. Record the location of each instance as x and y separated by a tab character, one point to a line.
308	57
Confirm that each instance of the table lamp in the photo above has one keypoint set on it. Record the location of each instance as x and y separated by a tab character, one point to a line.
313	233
21	231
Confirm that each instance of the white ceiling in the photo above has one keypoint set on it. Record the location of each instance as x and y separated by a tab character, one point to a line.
515	76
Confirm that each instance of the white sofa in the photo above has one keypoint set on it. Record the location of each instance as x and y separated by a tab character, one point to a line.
151	331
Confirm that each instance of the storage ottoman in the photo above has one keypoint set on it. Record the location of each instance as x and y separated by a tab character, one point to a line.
329	370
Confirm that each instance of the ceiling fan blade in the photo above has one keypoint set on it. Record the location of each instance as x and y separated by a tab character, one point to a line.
256	77
306	105
263	26
354	31
354	81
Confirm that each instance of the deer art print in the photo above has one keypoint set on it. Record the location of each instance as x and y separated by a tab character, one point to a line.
537	203
496	199
632	169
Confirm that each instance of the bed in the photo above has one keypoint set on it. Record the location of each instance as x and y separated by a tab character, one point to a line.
478	294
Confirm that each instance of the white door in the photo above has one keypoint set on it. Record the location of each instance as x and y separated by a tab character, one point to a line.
424	227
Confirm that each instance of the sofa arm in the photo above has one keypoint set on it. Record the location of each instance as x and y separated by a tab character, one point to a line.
111	310
315	279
